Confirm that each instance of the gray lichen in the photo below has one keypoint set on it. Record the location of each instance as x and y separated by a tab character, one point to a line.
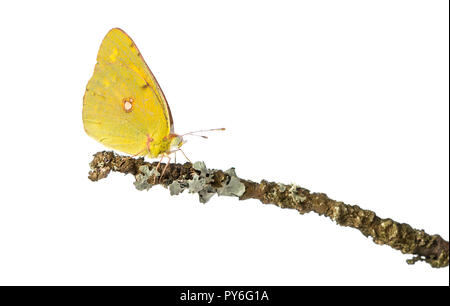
202	184
143	176
234	187
175	188
293	190
200	166
197	183
282	187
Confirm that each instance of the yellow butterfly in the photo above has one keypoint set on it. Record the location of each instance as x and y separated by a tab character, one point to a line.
124	107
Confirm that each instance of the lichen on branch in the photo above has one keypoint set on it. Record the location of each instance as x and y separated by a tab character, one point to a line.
196	178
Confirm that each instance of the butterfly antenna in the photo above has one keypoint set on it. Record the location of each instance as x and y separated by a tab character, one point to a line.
200	131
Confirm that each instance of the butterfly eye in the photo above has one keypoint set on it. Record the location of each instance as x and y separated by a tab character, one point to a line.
127	104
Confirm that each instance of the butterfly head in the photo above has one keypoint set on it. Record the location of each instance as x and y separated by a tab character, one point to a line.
176	141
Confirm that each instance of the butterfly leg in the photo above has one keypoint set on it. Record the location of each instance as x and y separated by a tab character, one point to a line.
167	154
156	169
167	165
169	159
149	139
185	155
138	153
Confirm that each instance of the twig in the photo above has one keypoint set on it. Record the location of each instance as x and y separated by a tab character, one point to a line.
196	178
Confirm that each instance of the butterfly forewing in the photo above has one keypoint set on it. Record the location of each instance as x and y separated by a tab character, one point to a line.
123	106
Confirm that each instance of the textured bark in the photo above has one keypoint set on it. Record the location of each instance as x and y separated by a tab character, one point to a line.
432	249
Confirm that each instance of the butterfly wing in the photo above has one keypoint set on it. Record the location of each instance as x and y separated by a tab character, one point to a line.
124	107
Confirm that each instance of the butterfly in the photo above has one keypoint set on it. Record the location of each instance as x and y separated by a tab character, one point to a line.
124	107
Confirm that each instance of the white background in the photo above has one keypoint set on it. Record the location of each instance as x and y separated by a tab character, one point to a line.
349	98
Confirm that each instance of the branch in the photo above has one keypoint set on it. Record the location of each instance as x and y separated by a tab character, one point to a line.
196	178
